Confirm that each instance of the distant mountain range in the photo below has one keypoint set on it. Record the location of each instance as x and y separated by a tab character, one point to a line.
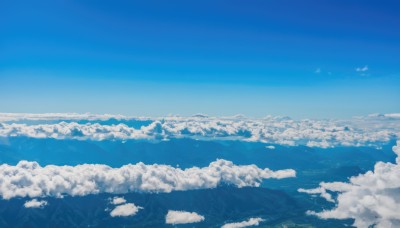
218	206
277	201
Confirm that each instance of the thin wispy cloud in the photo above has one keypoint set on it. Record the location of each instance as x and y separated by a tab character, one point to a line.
270	147
247	223
362	69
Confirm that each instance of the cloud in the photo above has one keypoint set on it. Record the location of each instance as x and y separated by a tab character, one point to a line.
35	203
362	69
57	116
271	147
118	200
321	191
29	179
182	217
371	199
322	144
385	116
128	209
250	222
364	131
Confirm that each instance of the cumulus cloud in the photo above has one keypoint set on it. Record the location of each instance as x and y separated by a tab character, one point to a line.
35	203
271	147
371	199
29	179
182	217
250	222
128	209
365	131
118	200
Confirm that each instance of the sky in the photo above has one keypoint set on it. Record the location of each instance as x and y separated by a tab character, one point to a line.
304	59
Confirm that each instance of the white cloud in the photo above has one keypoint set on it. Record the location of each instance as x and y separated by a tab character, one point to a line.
322	144
118	200
250	222
182	217
128	209
392	115
271	147
29	179
57	116
384	116
371	199
362	69
35	203
321	191
360	131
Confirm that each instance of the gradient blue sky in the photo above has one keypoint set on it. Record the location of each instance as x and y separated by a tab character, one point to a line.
154	58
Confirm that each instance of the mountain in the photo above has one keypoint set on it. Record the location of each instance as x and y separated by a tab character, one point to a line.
216	205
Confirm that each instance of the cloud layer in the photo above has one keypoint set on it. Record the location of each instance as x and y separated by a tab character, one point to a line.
372	130
247	223
370	199
29	179
182	217
57	116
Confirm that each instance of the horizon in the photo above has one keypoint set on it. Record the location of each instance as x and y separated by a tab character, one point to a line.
319	60
211	113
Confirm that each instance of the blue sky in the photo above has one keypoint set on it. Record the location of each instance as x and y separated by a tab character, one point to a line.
154	58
